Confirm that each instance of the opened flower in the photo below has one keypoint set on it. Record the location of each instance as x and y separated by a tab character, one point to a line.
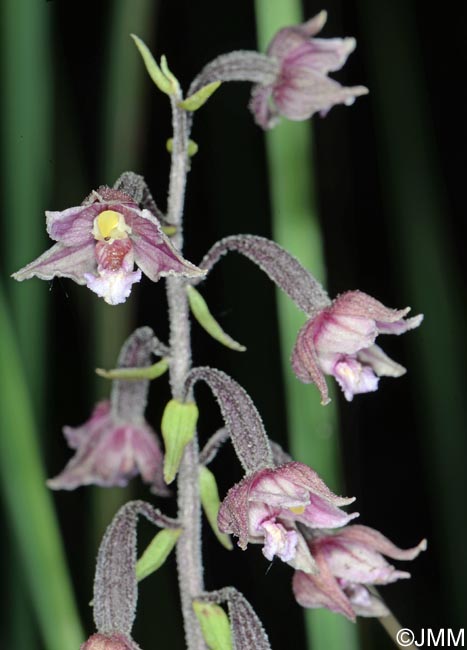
302	87
340	341
349	561
99	243
265	507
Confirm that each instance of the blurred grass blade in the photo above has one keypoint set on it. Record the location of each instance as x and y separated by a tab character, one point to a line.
417	211
26	152
29	503
312	428
123	136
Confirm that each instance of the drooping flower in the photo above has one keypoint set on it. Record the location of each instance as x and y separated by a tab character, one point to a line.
340	341
117	443
350	560
99	243
265	507
109	452
302	86
109	642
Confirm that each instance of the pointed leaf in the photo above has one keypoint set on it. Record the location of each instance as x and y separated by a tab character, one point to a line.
149	372
170	76
156	74
214	624
204	317
157	552
200	97
178	428
211	502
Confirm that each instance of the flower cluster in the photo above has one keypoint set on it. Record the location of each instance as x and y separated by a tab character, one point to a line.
291	511
107	243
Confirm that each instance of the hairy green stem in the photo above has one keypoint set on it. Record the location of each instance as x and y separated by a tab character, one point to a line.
189	561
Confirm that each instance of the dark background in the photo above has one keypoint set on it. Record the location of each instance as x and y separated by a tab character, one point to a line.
390	190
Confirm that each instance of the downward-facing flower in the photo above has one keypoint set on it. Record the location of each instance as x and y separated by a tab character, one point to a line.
302	87
109	642
349	560
340	341
99	243
110	451
265	507
116	443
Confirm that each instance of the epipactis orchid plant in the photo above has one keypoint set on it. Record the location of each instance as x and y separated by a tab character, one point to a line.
106	243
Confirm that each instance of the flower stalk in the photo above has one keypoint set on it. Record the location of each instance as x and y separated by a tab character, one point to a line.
189	563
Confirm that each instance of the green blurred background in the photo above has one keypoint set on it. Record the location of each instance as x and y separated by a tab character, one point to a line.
372	197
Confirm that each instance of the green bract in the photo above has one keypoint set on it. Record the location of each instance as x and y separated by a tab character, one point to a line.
211	502
200	97
178	428
215	625
157	552
161	76
204	317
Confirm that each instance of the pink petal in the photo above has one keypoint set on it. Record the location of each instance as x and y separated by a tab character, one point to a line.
306	478
321	590
401	326
338	333
154	253
320	54
109	454
359	304
262	108
305	363
322	514
358	563
73	226
306	91
63	261
75	436
377	541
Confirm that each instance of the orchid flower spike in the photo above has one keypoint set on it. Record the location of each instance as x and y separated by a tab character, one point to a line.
349	561
340	341
302	86
266	505
116	443
100	241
